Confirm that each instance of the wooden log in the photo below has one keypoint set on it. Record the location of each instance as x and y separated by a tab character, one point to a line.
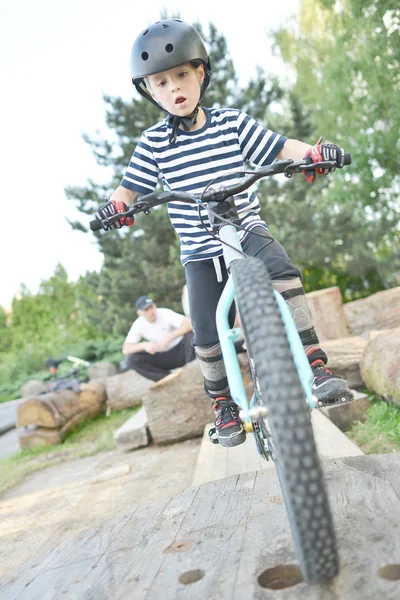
55	409
179	546
344	358
378	311
40	436
126	389
102	369
177	407
44	436
327	313
380	365
33	387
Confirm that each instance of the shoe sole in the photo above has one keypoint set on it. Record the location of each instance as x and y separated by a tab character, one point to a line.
336	399
234	439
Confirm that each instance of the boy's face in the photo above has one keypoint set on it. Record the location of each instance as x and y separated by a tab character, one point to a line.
178	89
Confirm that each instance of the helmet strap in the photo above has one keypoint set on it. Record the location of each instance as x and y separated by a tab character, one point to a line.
185	122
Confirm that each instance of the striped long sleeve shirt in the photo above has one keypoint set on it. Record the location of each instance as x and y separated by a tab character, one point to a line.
220	149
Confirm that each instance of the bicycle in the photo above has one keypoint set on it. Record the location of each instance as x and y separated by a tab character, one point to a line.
69	381
281	425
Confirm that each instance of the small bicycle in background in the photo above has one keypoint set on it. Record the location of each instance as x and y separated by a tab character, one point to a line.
72	379
280	420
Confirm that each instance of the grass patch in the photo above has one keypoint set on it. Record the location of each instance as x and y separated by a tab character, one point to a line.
88	438
380	434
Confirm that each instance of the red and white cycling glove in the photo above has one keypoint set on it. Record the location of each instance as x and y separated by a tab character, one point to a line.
321	152
111	208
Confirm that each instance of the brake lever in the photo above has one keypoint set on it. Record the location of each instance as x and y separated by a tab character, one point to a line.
298	167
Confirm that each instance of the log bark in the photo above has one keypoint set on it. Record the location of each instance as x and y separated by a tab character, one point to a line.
55	409
327	313
33	387
102	369
44	436
126	389
378	311
177	407
344	358
380	365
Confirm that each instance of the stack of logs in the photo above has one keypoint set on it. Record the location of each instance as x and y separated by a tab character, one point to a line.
49	417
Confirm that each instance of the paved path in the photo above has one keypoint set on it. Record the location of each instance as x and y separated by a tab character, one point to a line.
8	435
8	412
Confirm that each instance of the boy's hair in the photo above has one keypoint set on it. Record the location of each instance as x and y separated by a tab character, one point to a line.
194	63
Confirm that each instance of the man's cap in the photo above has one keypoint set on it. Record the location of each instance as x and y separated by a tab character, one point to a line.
143	302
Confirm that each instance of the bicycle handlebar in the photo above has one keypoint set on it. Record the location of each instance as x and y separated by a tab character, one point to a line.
149	201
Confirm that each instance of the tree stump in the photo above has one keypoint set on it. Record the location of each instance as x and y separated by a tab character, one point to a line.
126	389
54	409
102	369
380	365
33	387
327	313
56	413
378	311
42	436
344	358
177	407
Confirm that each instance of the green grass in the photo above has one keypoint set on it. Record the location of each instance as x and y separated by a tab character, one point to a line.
380	434
88	438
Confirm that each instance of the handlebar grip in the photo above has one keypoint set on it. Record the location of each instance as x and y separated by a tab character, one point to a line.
95	225
347	159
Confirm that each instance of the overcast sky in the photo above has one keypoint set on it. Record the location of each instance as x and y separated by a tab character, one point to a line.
56	60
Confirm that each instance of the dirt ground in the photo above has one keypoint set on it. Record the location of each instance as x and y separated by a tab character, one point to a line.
54	504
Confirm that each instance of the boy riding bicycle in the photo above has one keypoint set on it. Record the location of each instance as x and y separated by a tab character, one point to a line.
188	150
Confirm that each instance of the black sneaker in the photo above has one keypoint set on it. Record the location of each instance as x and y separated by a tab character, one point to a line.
228	426
329	389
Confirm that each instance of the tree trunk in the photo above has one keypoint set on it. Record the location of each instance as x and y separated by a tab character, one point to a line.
344	358
44	436
380	365
126	389
177	407
55	409
378	311
327	313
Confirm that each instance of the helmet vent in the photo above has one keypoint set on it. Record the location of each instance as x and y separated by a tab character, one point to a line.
165	26
169	48
178	20
145	56
147	31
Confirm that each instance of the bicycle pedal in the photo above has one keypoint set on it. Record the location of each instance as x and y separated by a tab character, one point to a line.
211	433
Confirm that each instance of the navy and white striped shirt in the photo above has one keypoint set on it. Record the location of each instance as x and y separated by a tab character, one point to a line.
228	138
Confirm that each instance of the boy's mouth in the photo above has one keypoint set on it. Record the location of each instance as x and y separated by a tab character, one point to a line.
180	100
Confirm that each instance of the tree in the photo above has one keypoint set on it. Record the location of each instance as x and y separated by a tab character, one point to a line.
346	57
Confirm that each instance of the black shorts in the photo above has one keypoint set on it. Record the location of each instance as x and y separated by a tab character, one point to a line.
204	290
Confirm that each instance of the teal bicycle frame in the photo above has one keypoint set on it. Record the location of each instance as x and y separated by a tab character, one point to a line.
227	335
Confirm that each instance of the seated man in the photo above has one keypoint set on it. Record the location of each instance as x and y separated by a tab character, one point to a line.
167	344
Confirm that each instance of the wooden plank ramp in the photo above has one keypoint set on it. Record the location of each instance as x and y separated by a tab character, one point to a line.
218	541
216	462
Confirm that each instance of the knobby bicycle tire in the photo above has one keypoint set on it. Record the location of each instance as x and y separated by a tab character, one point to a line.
294	450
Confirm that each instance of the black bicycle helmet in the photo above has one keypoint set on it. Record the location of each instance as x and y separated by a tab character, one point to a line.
165	45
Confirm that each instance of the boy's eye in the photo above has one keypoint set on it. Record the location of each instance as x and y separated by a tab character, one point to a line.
161	83
182	74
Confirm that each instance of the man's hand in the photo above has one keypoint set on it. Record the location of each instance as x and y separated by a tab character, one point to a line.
150	347
321	152
162	346
111	208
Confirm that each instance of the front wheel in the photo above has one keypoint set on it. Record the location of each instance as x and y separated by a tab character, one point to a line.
293	445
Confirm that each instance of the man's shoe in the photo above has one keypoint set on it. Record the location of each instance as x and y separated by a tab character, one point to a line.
228	426
329	389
